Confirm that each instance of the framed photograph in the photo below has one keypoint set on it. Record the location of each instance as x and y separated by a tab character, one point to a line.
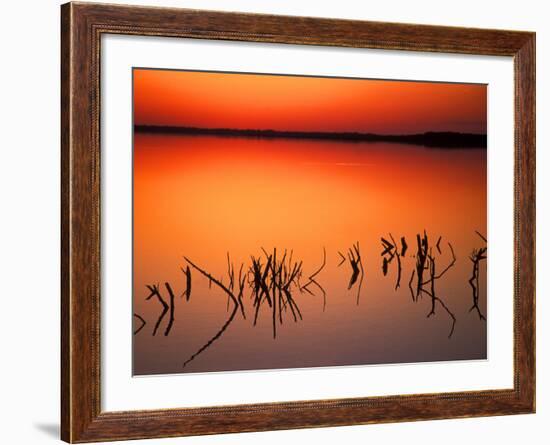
275	222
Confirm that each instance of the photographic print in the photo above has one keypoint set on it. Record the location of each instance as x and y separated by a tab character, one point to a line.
285	221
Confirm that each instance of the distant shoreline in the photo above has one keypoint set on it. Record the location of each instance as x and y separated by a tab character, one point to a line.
429	139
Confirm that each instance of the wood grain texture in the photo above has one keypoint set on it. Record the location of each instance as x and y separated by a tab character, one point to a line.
81	28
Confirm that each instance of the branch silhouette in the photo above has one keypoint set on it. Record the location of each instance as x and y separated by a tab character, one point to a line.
433	278
187	292
426	261
315	282
154	289
357	271
476	257
274	279
143	323
171	319
231	317
391	251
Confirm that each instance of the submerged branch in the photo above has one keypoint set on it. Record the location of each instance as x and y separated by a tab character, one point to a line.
476	257
237	301
215	337
451	264
444	306
357	270
481	236
154	289
432	293
398	280
187	292
171	319
213	280
410	285
143	323
314	274
342	259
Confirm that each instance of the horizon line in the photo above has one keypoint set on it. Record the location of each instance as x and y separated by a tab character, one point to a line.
428	138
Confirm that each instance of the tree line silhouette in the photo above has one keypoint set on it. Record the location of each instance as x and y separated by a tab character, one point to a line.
440	139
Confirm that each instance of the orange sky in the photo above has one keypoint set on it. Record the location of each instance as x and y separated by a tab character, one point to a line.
249	101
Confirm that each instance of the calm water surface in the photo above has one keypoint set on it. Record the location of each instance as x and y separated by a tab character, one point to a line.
204	197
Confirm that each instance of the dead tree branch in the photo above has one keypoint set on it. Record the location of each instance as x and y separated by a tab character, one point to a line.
143	323
476	257
154	289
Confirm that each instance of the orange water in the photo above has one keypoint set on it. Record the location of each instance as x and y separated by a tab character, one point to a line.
203	197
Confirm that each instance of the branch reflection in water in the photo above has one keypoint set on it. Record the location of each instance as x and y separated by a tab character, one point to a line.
274	281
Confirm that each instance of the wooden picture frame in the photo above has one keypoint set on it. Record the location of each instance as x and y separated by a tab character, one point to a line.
82	25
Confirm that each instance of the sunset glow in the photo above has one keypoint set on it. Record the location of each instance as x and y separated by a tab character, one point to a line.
211	208
250	101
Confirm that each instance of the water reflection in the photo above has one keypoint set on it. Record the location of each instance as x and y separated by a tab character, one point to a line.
356	264
273	280
242	193
313	281
389	253
143	323
235	299
426	261
154	292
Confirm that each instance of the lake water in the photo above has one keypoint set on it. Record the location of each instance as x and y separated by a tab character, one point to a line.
203	197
